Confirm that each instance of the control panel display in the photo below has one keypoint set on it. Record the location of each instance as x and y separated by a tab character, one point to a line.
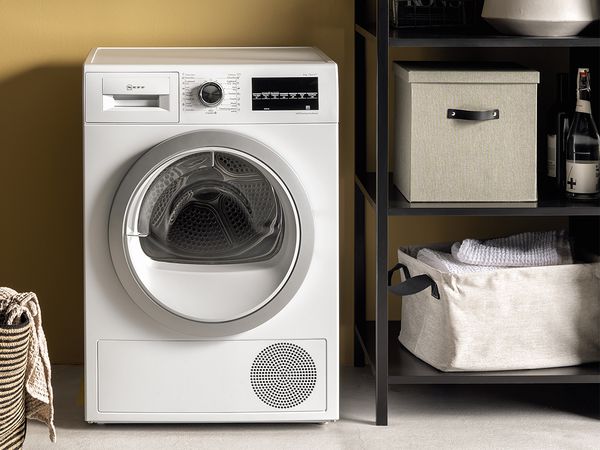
285	94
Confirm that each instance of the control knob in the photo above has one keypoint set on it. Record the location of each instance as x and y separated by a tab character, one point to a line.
210	94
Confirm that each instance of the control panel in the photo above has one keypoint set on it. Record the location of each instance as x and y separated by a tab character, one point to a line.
210	95
261	94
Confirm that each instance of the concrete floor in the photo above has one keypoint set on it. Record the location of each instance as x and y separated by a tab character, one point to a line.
421	417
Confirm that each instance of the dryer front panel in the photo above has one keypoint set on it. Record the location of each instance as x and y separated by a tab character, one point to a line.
209	228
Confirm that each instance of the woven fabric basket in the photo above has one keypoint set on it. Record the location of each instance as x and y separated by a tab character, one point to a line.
14	346
507	319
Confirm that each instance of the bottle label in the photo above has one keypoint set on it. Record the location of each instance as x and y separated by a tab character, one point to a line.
583	177
552	155
583	106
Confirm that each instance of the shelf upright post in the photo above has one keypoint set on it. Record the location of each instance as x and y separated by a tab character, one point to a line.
360	144
381	215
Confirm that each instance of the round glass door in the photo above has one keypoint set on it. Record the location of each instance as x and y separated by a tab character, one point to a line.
209	234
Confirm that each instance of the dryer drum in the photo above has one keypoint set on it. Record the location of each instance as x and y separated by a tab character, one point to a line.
211	208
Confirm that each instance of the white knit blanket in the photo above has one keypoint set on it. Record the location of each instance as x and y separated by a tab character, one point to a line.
544	248
445	262
38	386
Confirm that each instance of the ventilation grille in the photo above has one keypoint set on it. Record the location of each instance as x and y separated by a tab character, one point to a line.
283	375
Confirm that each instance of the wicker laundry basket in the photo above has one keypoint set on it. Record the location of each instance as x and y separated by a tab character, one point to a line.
506	319
14	346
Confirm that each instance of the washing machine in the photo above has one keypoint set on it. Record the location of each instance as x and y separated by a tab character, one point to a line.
211	235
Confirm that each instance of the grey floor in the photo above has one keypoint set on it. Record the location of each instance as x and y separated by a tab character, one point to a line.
421	417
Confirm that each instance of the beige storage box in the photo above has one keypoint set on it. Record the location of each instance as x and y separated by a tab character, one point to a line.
465	133
507	319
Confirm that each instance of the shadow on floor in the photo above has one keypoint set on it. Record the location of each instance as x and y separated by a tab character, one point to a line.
578	399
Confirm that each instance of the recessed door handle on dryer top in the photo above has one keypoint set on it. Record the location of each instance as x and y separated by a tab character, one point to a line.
463	114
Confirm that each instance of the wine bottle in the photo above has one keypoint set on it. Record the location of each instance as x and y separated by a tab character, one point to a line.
582	180
558	130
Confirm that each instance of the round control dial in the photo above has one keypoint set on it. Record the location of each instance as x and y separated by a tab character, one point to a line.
210	94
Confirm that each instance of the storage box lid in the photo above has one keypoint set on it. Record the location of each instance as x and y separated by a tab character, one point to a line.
477	73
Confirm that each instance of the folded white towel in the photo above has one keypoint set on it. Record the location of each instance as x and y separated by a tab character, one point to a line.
445	262
546	248
38	386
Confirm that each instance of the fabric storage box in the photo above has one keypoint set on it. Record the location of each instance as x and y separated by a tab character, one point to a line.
465	133
507	319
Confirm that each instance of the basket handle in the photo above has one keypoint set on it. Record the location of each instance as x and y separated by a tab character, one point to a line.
412	285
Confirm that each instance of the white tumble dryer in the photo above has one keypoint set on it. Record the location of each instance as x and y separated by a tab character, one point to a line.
211	235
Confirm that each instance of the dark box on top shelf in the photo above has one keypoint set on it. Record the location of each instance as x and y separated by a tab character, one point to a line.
423	14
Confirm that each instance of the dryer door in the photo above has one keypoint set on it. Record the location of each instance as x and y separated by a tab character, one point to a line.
211	233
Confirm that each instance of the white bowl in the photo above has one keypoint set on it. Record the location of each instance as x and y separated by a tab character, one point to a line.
541	17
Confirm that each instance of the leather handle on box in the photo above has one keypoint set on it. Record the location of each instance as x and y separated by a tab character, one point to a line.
479	116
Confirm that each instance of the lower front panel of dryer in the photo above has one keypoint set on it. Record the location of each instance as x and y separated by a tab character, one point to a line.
210	381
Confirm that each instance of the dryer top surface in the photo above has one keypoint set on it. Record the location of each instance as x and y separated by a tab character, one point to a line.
206	56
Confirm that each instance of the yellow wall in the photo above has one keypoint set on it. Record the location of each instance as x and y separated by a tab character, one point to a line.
42	46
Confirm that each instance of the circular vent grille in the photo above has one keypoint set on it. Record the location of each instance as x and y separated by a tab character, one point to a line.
283	375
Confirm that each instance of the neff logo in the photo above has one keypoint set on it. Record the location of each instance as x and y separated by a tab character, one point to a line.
134	87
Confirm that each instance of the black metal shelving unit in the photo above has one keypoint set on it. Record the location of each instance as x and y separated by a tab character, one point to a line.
376	341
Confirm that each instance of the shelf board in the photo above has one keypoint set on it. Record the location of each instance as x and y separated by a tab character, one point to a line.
400	38
416	38
548	206
405	368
